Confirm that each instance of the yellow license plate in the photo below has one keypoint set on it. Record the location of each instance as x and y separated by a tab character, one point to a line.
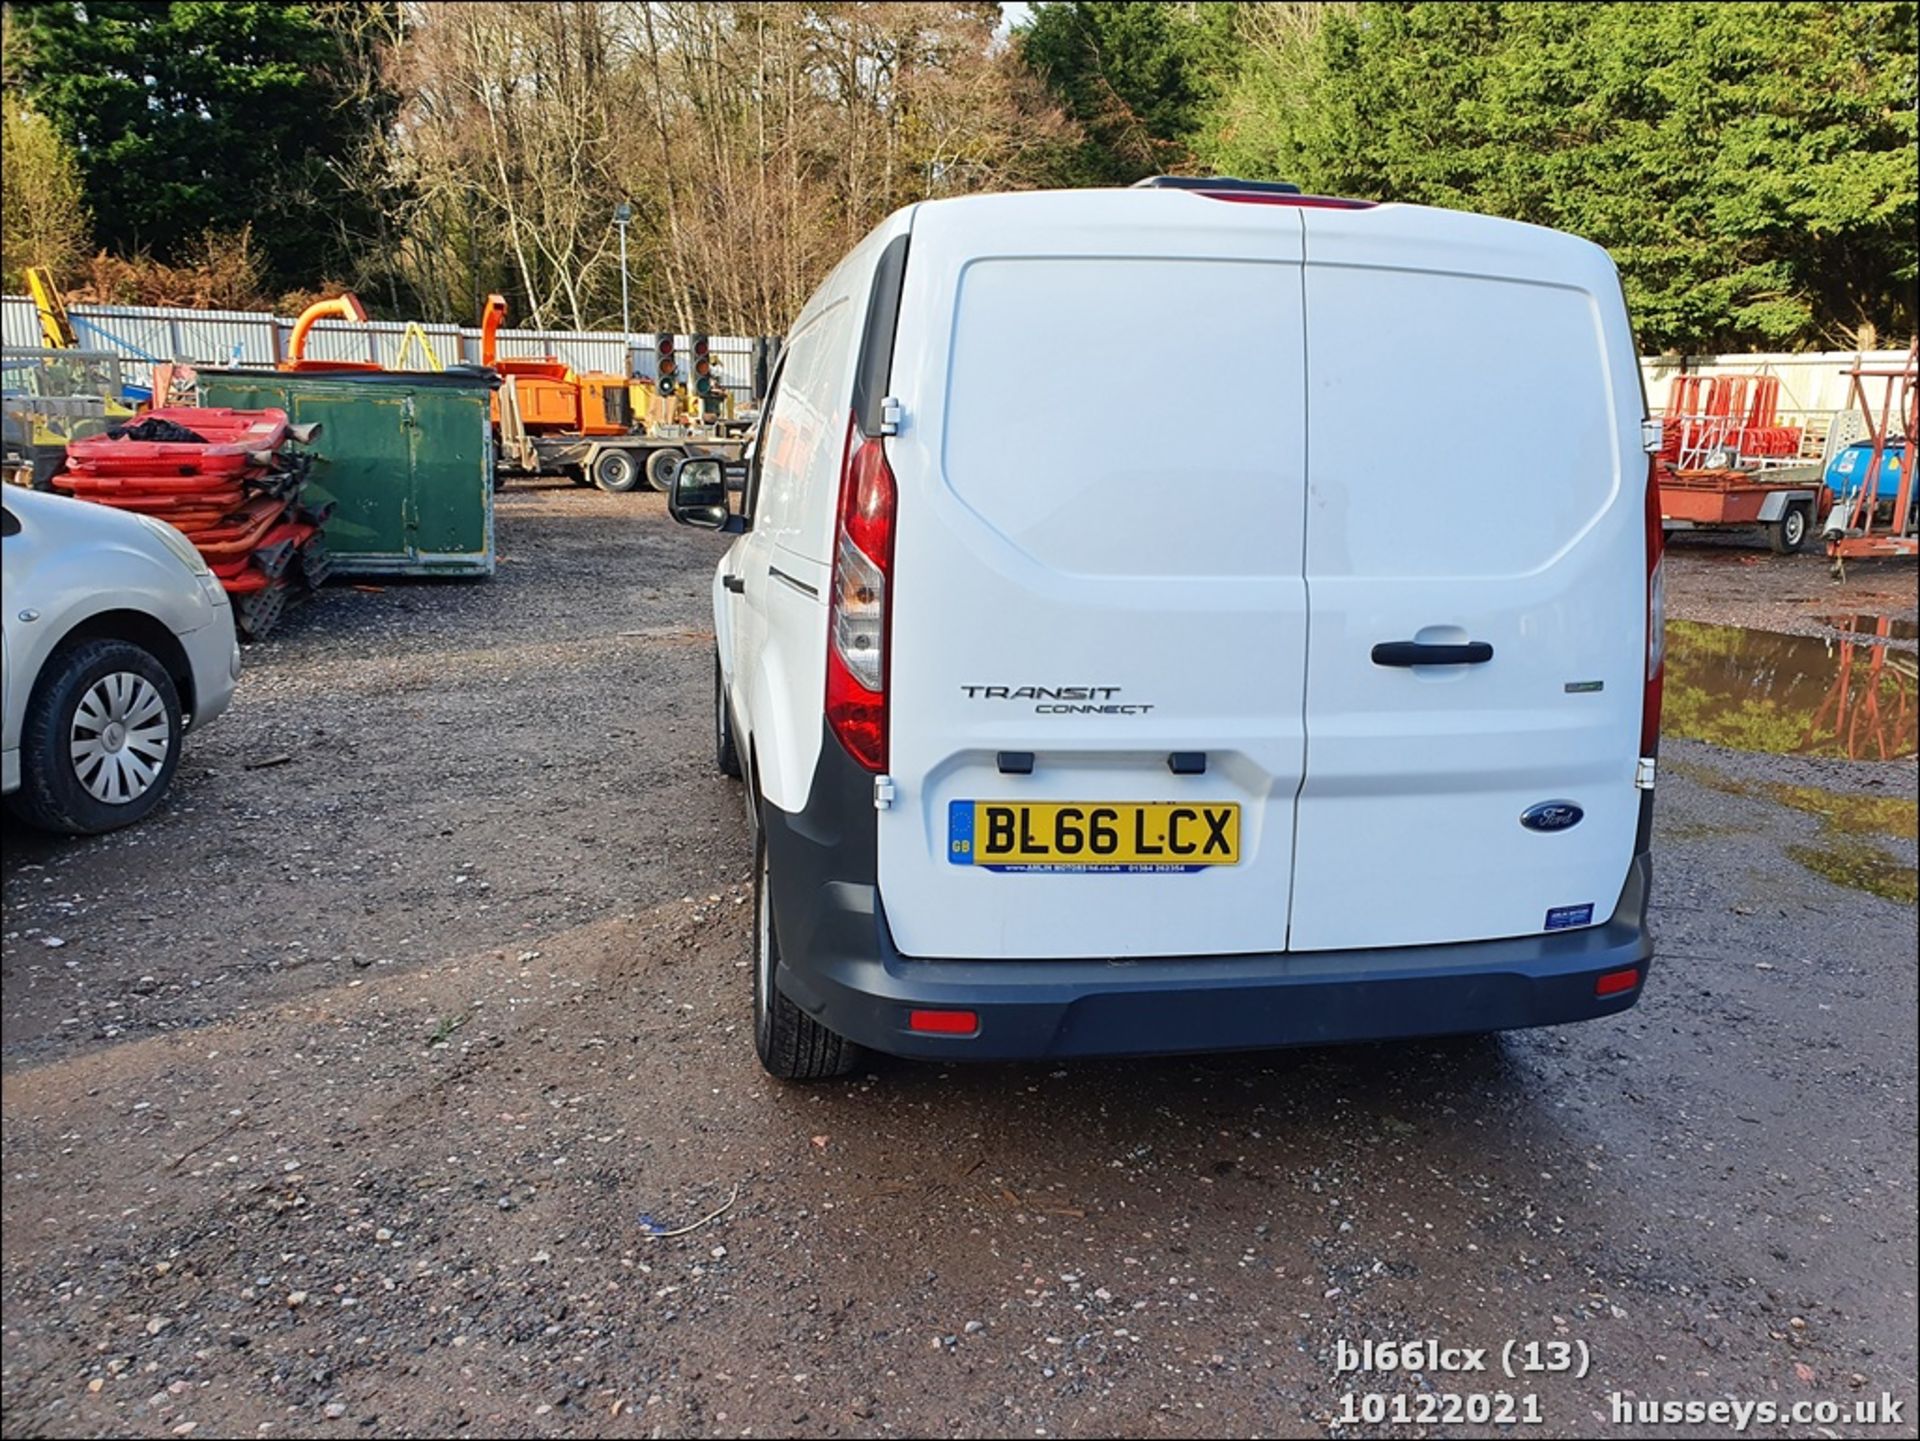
1094	836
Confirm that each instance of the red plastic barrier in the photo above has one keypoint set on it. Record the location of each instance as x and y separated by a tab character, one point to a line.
233	437
96	485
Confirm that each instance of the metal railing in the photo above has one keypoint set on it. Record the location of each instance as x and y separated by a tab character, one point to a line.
143	335
1811	383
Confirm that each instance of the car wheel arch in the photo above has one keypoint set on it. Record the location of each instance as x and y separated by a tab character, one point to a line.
135	627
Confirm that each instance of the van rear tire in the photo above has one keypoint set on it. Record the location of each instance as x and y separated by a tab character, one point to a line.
792	1045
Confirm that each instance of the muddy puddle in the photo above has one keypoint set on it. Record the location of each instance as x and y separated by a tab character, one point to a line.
1861	867
1844	851
1872	627
1758	690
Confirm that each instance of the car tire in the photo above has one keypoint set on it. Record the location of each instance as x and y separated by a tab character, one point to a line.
616	470
660	466
100	739
726	754
1788	535
792	1045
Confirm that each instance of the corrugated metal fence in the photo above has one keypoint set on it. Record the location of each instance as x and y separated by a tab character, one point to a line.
141	335
1809	382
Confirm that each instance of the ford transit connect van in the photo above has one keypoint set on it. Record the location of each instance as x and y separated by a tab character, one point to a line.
1186	619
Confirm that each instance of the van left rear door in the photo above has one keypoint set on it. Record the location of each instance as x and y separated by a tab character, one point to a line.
1097	644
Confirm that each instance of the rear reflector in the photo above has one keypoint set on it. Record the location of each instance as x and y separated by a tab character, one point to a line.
943	1023
1614	982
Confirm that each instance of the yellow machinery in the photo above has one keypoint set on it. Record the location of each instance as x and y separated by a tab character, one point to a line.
53	394
55	329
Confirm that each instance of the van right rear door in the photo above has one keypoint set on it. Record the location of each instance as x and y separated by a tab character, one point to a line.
1474	475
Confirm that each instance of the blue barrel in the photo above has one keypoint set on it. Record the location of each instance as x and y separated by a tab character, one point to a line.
1847	471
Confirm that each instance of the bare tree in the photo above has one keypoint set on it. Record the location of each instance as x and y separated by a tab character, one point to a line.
756	140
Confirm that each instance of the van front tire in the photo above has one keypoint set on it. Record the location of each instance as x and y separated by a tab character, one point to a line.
726	753
792	1045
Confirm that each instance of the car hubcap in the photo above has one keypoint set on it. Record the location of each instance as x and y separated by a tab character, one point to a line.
1796	527
120	737
618	469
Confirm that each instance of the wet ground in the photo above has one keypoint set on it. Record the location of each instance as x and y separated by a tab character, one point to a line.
347	1095
1849	695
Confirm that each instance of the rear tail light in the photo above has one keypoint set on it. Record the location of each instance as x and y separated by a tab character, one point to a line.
1656	618
1612	983
943	1023
858	611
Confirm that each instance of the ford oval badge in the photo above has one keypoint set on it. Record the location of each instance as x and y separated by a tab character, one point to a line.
1551	816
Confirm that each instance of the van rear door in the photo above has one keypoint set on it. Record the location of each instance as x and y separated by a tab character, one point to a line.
1474	475
1097	565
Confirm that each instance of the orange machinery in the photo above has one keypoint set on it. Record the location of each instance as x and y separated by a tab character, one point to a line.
555	399
341	307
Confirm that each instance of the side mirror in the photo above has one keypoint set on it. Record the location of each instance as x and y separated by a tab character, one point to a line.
697	493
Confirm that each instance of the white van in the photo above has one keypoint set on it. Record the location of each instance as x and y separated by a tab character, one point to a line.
1179	619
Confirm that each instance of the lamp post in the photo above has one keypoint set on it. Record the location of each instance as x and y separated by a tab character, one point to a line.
622	217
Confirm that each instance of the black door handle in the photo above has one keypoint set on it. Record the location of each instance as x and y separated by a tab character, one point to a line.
1412	652
735	583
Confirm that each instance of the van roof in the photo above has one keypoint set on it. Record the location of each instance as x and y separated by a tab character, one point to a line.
1475	243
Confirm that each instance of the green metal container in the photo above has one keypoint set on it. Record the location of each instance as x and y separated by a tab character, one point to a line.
407	459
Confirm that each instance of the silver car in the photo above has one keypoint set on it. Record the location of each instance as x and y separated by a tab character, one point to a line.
118	639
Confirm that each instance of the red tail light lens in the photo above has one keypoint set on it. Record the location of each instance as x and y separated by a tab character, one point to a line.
1656	617
1612	983
943	1023
858	612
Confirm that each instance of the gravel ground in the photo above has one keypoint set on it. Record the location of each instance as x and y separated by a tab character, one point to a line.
1731	579
342	1096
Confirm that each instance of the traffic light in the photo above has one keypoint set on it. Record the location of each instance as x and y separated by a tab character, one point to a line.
702	366
666	369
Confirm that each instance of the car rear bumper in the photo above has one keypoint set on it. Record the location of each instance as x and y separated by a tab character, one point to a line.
839	965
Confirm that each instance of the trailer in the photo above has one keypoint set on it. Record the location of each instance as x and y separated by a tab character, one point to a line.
598	428
1727	460
1878	509
1786	503
614	462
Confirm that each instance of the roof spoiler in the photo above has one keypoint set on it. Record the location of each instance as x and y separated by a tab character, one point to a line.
1216	183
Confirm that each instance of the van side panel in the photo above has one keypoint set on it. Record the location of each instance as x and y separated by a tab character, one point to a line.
1121	559
1474	474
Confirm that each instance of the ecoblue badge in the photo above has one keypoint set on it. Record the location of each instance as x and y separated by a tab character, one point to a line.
1562	917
